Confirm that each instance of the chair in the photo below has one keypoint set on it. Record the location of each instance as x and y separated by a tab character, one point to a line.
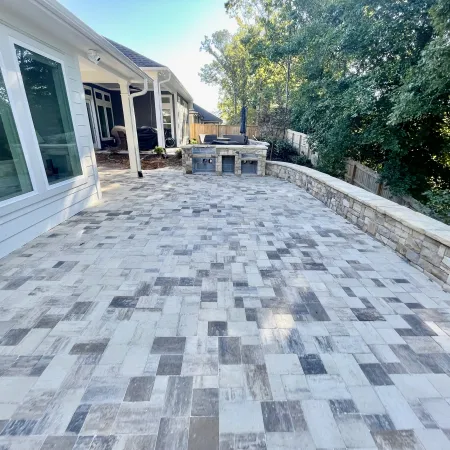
119	134
209	138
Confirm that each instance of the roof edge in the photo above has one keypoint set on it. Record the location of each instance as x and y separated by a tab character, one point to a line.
77	24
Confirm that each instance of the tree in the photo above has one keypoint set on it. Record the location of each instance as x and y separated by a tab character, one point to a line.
229	70
375	88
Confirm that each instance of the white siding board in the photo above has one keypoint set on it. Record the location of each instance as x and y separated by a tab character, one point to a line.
29	217
50	221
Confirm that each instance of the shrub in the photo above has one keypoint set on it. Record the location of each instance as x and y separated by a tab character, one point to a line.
179	153
279	149
159	150
439	203
302	160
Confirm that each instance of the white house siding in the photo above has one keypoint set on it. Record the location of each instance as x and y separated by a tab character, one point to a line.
23	218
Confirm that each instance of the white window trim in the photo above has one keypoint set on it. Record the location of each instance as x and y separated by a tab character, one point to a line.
20	132
105	105
71	182
169	96
90	98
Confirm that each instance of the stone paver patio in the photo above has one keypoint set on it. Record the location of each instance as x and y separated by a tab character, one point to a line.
188	310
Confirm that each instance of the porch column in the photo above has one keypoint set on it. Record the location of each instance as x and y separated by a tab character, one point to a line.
158	112
176	126
130	127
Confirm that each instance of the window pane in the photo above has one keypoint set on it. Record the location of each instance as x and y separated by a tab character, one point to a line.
107	98
110	118
98	95
167	118
101	116
14	178
47	98
165	100
87	92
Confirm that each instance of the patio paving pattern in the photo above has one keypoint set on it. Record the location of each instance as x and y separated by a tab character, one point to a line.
205	312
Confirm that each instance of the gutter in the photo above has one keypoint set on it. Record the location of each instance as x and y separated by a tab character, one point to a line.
186	94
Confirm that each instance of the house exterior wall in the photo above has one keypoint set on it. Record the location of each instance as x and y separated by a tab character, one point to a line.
24	217
116	103
144	108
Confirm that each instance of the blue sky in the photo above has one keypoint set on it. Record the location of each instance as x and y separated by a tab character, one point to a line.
168	31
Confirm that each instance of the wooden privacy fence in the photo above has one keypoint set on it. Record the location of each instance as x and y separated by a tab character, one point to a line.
219	130
363	177
300	142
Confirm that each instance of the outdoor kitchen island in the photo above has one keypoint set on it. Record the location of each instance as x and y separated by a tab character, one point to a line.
224	159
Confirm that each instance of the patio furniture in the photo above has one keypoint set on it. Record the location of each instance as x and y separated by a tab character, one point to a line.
147	138
120	136
239	138
209	138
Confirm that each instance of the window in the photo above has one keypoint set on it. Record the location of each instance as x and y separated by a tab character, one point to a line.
167	114
14	177
105	114
43	80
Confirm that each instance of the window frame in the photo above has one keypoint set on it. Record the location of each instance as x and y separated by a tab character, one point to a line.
170	108
89	98
105	104
20	132
36	48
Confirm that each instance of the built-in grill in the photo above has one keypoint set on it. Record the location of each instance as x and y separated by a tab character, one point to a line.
227	159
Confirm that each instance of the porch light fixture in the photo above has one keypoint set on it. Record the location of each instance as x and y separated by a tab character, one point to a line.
93	56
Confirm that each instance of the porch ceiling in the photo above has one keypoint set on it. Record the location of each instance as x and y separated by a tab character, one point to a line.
98	74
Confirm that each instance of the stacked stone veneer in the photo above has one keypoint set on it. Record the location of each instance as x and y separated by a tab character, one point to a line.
240	152
423	241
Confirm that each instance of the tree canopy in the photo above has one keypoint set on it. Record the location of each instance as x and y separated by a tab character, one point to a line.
365	79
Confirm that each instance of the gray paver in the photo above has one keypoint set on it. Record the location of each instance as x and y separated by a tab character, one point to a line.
194	312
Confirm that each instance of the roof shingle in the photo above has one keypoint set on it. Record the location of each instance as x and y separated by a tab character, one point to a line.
206	115
137	58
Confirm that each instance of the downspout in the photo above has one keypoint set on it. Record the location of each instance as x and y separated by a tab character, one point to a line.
160	97
133	117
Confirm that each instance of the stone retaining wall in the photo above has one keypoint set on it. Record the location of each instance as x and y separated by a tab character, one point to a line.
423	241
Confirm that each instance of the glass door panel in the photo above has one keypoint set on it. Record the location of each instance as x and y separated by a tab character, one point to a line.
14	176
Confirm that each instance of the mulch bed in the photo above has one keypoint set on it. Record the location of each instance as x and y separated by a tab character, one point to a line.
148	162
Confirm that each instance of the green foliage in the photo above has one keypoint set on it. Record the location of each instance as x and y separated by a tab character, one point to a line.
159	150
193	141
439	203
365	79
279	149
302	160
376	87
179	153
248	71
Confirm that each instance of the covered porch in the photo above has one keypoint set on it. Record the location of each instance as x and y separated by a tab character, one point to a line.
110	105
157	115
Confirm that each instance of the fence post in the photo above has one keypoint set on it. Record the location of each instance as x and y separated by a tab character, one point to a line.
379	188
353	174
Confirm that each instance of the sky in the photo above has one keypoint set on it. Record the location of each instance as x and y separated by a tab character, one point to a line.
167	31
